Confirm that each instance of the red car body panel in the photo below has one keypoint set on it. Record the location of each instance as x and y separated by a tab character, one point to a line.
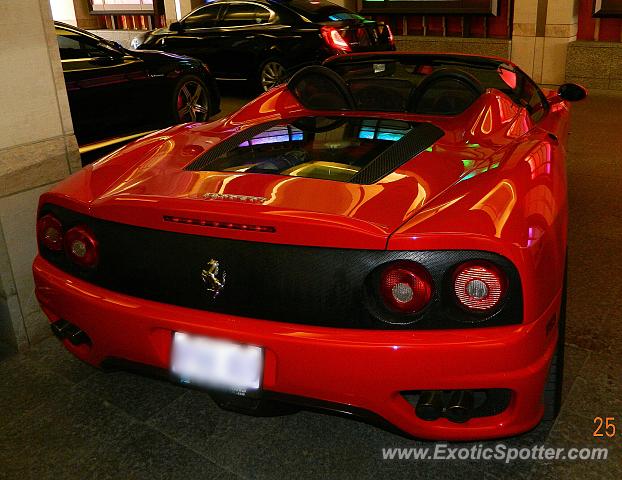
359	368
494	182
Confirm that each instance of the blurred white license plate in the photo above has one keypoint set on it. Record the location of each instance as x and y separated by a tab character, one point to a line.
215	363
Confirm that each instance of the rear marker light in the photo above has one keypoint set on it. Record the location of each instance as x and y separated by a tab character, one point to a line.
50	233
405	287
82	247
479	287
210	223
334	39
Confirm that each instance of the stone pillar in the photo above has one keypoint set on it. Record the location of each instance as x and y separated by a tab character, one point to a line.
186	6
170	11
73	12
541	33
64	11
176	9
84	18
37	149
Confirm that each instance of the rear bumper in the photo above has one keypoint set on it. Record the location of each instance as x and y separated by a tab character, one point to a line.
361	368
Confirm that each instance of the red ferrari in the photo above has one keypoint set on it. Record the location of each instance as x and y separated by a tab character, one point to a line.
385	235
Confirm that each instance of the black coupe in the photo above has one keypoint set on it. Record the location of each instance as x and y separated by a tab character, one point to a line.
261	41
113	91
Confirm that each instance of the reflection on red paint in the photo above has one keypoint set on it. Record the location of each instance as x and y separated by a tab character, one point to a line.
507	108
540	161
508	77
487	123
498	204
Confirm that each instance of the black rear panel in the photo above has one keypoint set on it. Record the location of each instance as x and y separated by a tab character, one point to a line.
294	284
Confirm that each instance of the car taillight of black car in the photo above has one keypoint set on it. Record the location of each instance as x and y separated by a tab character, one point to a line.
341	40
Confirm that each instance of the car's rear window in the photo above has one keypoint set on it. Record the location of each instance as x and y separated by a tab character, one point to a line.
321	11
331	148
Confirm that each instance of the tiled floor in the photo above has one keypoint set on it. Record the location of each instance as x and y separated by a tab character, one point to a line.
62	419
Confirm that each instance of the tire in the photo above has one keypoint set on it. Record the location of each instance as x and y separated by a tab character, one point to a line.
553	387
270	74
190	100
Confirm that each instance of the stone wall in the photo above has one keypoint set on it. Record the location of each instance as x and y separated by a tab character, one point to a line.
595	64
124	37
479	46
37	149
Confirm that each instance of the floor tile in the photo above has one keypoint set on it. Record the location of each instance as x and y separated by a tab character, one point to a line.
137	395
572	431
52	355
77	435
24	386
597	390
310	445
574	360
6	351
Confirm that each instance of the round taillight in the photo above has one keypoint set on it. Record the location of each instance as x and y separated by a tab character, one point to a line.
50	233
405	287
479	286
81	246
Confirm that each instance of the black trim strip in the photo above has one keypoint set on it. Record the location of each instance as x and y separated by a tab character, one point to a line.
202	162
422	136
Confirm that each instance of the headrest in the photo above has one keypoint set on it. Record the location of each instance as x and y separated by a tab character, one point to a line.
468	81
320	88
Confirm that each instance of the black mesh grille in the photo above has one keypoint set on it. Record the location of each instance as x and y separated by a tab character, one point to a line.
307	285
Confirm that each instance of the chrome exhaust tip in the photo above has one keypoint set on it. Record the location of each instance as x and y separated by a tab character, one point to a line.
460	406
430	405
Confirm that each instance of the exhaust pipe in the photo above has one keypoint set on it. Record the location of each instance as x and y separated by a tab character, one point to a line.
63	330
430	405
460	406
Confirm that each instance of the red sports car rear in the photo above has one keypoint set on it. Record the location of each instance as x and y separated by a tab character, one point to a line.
399	255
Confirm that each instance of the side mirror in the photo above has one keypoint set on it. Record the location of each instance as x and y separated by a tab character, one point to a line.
175	27
572	92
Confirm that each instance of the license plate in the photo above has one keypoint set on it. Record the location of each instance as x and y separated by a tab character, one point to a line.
217	364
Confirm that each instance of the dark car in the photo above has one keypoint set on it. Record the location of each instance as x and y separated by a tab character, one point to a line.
263	40
113	91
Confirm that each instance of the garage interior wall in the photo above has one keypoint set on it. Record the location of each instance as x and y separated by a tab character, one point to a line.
37	149
541	33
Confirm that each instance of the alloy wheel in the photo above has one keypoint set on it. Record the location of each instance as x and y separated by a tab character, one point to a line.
192	102
272	74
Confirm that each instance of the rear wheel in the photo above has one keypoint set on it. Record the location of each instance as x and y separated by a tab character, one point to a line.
553	387
190	100
271	73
